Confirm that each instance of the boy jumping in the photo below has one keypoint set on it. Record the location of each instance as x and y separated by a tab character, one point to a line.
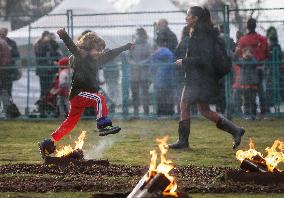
87	58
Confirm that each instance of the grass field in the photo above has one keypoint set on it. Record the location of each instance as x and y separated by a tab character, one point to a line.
210	146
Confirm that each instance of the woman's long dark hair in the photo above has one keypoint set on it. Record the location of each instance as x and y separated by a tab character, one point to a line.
204	19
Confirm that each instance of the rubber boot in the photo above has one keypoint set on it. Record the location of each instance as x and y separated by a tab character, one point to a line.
183	134
237	132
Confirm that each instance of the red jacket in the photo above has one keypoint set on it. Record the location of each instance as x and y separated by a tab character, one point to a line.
257	43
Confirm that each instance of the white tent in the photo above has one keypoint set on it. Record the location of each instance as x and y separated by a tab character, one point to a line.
116	29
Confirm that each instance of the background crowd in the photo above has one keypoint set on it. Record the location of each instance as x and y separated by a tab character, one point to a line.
151	67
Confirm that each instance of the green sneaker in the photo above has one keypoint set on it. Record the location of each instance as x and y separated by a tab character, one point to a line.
109	130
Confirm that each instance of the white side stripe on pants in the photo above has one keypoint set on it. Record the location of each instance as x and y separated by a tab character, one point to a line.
95	97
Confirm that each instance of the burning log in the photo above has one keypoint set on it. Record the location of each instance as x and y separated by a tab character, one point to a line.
75	157
251	166
71	157
253	161
144	188
157	182
67	155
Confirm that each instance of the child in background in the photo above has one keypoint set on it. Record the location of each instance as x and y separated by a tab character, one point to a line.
88	56
164	76
62	96
249	80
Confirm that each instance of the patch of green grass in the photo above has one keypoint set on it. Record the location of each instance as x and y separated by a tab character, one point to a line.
210	146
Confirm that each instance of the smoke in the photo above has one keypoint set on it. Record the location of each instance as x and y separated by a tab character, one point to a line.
96	151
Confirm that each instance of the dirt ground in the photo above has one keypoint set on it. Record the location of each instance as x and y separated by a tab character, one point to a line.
91	177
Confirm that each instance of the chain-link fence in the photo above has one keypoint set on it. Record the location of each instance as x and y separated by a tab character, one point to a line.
139	84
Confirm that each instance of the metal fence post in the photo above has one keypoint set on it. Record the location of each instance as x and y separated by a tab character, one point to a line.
70	23
276	80
27	110
125	87
226	26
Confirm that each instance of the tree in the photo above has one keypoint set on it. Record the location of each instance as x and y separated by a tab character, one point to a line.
241	17
22	12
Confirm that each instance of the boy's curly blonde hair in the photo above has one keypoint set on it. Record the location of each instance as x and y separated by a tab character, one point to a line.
90	41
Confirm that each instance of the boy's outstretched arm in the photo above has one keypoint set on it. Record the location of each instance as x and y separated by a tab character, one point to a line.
68	42
111	54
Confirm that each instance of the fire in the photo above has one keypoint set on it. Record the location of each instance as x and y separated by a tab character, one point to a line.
66	150
274	155
164	167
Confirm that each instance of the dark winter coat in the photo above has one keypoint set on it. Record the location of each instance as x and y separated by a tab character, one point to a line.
249	72
5	59
171	38
14	50
201	81
44	53
181	49
13	73
5	53
180	53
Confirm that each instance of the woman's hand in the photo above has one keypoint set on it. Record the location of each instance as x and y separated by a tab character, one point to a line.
179	62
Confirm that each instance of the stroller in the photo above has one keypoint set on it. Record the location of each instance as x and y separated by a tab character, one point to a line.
46	105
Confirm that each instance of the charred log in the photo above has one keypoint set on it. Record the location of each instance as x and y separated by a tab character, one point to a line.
253	166
153	187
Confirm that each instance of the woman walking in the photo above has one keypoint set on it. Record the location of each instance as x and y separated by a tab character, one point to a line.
201	81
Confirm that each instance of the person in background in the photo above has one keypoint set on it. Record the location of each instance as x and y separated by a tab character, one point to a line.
47	53
111	76
13	73
259	47
65	73
139	73
274	53
5	60
162	27
249	80
56	52
236	101
163	72
221	99
201	81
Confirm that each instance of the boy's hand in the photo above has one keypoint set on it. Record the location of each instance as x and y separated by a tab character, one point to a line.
61	32
130	46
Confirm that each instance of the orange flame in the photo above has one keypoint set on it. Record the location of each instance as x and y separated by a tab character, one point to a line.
66	150
164	167
249	154
274	155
